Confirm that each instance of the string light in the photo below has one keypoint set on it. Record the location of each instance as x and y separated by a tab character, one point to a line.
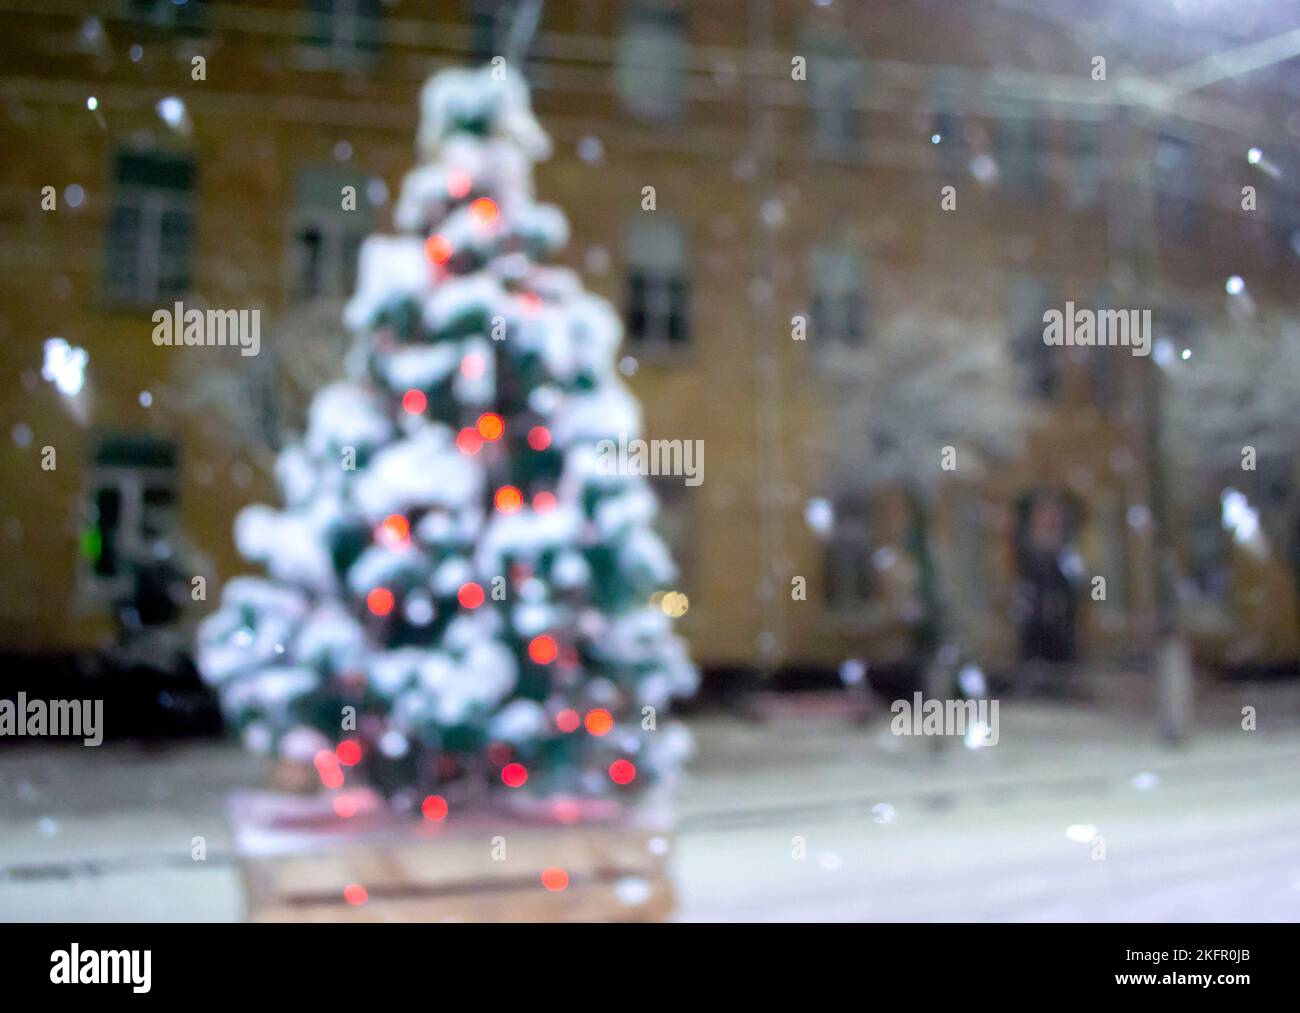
459	184
539	438
349	752
355	894
469	441
545	502
380	601
599	722
345	807
514	775
437	249
509	499
491	426
554	878
394	531
542	649
470	595
622	772
483	211
434	808
568	720
414	402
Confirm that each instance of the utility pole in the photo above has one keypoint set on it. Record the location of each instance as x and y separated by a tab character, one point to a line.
1136	234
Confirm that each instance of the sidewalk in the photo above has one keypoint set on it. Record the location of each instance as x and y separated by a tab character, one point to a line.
1210	831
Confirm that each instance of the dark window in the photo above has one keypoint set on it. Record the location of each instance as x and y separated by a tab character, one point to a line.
839	302
658	291
1020	154
651	70
848	571
326	240
1179	212
150	227
344	25
186	15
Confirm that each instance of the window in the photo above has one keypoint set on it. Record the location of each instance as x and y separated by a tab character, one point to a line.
326	239
1085	142
652	60
1018	141
187	15
658	283
952	148
848	571
1178	211
835	91
150	227
839	303
131	523
1027	301
346	26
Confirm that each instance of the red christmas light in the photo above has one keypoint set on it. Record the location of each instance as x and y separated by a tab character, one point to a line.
414	402
568	720
355	894
599	721
470	595
472	366
554	878
542	649
469	441
380	601
459	184
491	426
437	249
483	211
514	774
544	502
345	807
509	499
332	778
539	437
434	808
394	531
349	752
566	810
622	772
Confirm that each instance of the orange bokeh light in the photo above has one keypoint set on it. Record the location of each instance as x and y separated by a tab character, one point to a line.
542	649
437	249
554	878
484	211
394	531
599	721
491	426
380	601
509	499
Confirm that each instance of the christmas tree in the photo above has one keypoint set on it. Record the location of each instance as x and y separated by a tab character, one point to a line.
462	591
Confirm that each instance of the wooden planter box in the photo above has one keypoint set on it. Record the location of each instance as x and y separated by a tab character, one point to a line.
297	858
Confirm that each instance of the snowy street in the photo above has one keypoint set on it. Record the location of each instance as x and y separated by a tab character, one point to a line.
889	832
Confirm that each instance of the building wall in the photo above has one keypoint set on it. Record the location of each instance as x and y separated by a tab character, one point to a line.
743	168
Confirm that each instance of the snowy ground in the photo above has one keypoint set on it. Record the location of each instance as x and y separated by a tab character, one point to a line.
1211	831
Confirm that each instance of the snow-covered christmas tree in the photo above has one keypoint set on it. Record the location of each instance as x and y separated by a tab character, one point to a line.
460	590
